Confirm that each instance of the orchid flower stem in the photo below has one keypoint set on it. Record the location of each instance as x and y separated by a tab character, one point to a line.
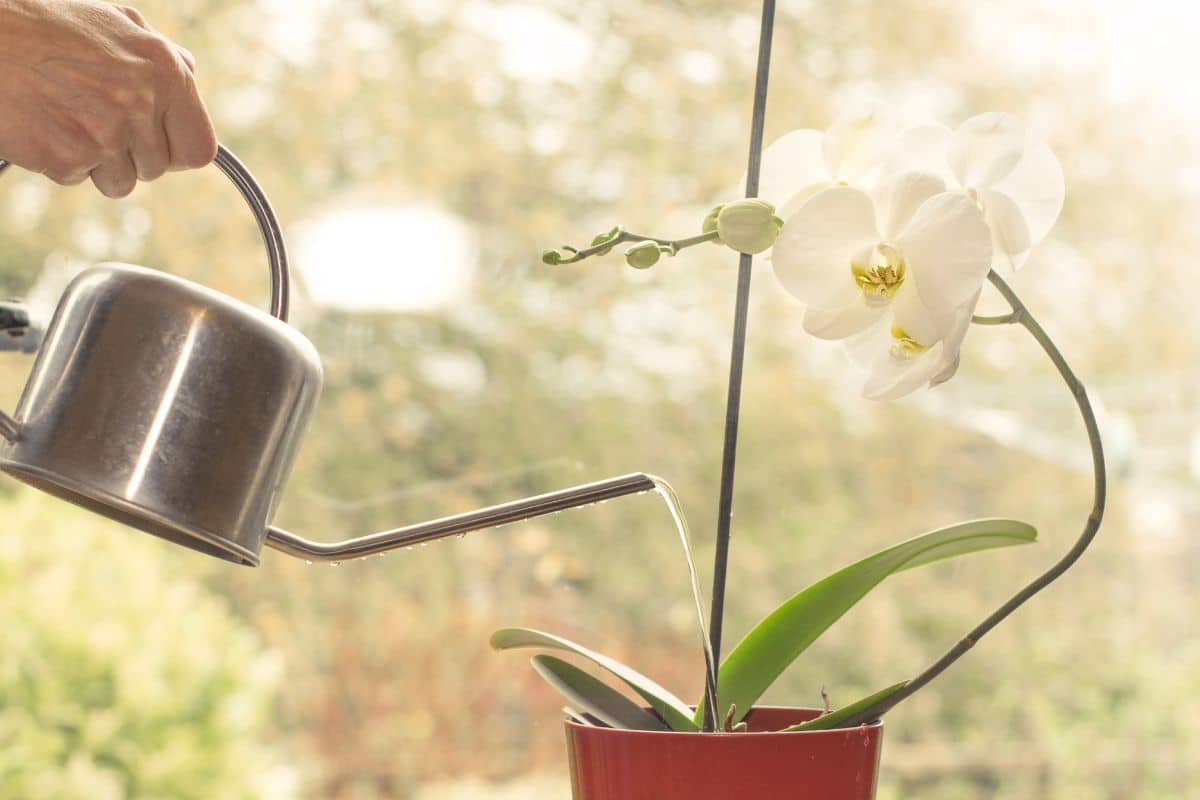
675	245
1020	316
1002	319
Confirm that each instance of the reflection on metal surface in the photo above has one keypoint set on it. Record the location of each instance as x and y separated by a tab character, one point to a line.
170	394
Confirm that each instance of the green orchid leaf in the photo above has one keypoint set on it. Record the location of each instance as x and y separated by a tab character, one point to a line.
676	713
835	718
782	636
596	697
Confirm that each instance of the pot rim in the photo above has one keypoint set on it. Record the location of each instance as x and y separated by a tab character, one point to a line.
876	725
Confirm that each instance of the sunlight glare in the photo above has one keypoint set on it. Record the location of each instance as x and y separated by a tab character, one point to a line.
413	258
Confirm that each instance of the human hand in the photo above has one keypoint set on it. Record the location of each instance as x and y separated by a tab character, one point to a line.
89	89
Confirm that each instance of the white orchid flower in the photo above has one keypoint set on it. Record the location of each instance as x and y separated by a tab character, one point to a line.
892	375
853	152
1013	176
906	263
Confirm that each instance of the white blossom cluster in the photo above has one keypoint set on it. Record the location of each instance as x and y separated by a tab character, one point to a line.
890	230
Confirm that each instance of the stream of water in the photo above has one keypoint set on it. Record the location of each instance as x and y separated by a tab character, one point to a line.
667	493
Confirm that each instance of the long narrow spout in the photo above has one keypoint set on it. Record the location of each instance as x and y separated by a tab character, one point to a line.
458	524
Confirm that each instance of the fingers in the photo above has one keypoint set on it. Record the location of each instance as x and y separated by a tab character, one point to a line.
62	150
148	148
190	135
116	176
68	178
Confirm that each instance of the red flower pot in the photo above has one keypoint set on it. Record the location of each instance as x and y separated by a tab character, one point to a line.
761	764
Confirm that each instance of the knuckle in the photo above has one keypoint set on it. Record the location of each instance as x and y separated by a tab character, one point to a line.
134	100
105	131
188	57
134	15
157	50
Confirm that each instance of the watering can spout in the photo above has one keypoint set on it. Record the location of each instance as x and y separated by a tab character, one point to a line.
458	524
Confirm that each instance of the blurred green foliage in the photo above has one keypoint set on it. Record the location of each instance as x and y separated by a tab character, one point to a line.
120	676
578	373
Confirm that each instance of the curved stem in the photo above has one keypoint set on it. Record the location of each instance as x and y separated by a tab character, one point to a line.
1020	315
1002	319
676	244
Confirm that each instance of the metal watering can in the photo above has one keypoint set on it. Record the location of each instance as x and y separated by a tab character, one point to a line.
177	410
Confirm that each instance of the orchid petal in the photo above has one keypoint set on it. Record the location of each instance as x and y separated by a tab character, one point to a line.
892	377
923	148
986	148
791	164
864	347
857	144
920	323
813	253
948	247
1010	234
800	198
952	344
1036	186
840	322
901	197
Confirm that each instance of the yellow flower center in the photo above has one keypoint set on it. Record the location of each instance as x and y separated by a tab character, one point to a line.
905	346
882	274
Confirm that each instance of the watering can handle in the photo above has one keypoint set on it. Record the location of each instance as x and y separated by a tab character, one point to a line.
268	225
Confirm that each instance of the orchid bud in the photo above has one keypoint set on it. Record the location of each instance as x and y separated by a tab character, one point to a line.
710	222
748	226
602	238
643	255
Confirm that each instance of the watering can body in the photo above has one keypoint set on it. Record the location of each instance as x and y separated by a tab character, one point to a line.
167	406
177	410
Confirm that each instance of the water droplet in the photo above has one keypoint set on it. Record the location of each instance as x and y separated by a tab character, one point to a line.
308	561
334	563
